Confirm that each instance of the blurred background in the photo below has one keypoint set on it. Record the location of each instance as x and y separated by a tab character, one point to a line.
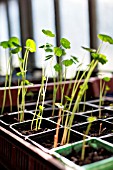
80	21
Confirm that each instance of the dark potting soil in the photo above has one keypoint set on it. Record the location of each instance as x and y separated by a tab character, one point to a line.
47	139
98	128
103	103
13	118
103	113
91	155
30	132
95	132
25	127
78	119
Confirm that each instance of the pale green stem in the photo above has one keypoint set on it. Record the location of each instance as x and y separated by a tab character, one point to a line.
81	92
84	142
6	81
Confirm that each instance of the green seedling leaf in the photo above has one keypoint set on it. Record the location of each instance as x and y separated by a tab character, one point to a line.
48	33
42	46
21	60
95	55
93	145
31	45
27	82
91	119
84	87
57	67
19	74
89	49
106	79
67	62
63	52
67	98
75	59
105	38
102	59
44	78
15	44
49	45
65	43
30	93
12	41
16	50
58	51
48	50
41	108
4	44
107	88
48	57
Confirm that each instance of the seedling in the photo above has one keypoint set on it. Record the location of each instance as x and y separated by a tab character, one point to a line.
103	90
90	120
101	130
58	124
97	57
42	91
30	47
14	48
54	52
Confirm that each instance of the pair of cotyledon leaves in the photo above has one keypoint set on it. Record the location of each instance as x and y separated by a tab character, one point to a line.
14	44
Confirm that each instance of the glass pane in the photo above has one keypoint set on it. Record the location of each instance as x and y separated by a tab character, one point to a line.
43	18
3	37
75	27
14	24
105	26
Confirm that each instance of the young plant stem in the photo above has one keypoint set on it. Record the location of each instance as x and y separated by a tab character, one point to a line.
24	90
10	80
79	97
75	87
81	93
44	92
100	98
100	129
55	89
18	103
6	82
84	142
57	128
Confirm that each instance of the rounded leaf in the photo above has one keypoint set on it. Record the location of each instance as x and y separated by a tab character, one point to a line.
95	55
48	57
13	41
105	38
58	51
102	59
65	43
75	59
107	79
31	45
57	67
91	118
107	88
4	44
67	62
16	50
89	49
41	108
48	33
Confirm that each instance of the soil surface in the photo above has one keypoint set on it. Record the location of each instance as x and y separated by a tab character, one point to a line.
91	155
